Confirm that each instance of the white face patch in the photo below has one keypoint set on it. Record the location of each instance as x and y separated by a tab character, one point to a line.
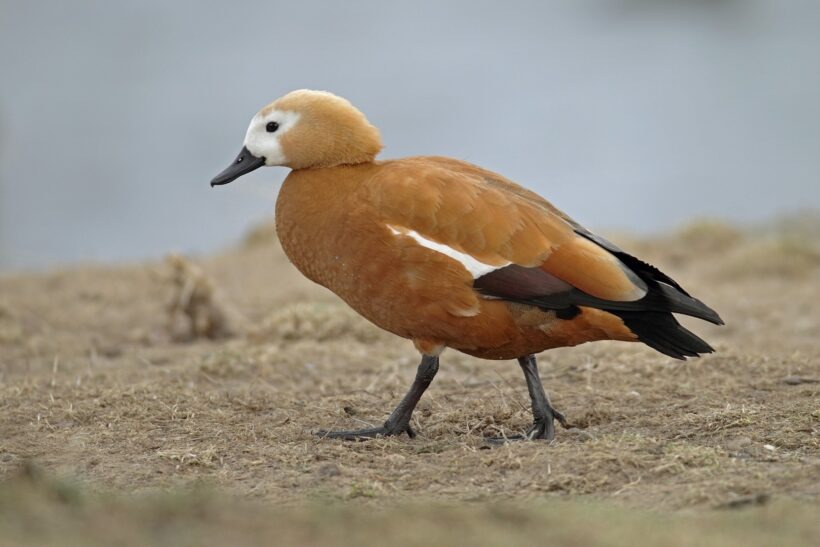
472	265
264	144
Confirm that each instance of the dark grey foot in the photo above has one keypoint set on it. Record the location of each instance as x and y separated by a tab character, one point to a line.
542	429
544	416
364	434
545	428
399	420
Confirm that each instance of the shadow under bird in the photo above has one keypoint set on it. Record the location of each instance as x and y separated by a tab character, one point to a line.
450	255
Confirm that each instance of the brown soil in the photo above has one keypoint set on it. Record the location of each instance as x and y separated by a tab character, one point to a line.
153	378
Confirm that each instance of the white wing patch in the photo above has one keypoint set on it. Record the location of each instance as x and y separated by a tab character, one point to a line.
475	267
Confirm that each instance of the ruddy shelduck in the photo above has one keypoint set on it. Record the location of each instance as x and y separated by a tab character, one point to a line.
450	255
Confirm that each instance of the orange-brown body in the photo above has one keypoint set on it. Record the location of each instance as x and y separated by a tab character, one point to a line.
338	226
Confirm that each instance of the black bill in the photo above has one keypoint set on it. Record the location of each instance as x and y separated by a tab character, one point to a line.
244	163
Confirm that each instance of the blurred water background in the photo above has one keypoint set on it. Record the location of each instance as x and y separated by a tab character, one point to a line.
631	114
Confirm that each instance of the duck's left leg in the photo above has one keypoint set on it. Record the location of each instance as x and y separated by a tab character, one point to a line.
399	420
544	415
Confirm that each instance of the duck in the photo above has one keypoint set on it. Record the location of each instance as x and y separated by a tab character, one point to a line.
448	254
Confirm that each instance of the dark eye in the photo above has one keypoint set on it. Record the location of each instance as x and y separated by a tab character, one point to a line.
271	127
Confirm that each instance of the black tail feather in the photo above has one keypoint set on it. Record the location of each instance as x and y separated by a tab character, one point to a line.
666	291
662	332
654	325
680	302
657	327
661	297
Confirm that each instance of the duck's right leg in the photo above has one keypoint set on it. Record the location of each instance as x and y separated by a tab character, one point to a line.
399	420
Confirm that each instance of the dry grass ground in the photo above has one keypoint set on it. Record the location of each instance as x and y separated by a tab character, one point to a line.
108	377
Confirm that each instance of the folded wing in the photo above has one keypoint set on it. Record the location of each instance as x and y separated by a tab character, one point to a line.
520	248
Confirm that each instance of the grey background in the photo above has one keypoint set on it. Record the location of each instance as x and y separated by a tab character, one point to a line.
629	114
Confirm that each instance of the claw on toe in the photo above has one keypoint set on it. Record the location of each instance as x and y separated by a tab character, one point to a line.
562	420
541	430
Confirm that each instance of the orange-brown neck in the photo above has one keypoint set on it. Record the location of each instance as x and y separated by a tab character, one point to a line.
311	212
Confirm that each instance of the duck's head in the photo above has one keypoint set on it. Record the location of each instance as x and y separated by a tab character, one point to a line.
305	129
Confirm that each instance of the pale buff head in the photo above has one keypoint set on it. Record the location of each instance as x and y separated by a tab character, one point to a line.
305	129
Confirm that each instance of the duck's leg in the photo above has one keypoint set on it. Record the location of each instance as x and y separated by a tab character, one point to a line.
399	420
544	415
